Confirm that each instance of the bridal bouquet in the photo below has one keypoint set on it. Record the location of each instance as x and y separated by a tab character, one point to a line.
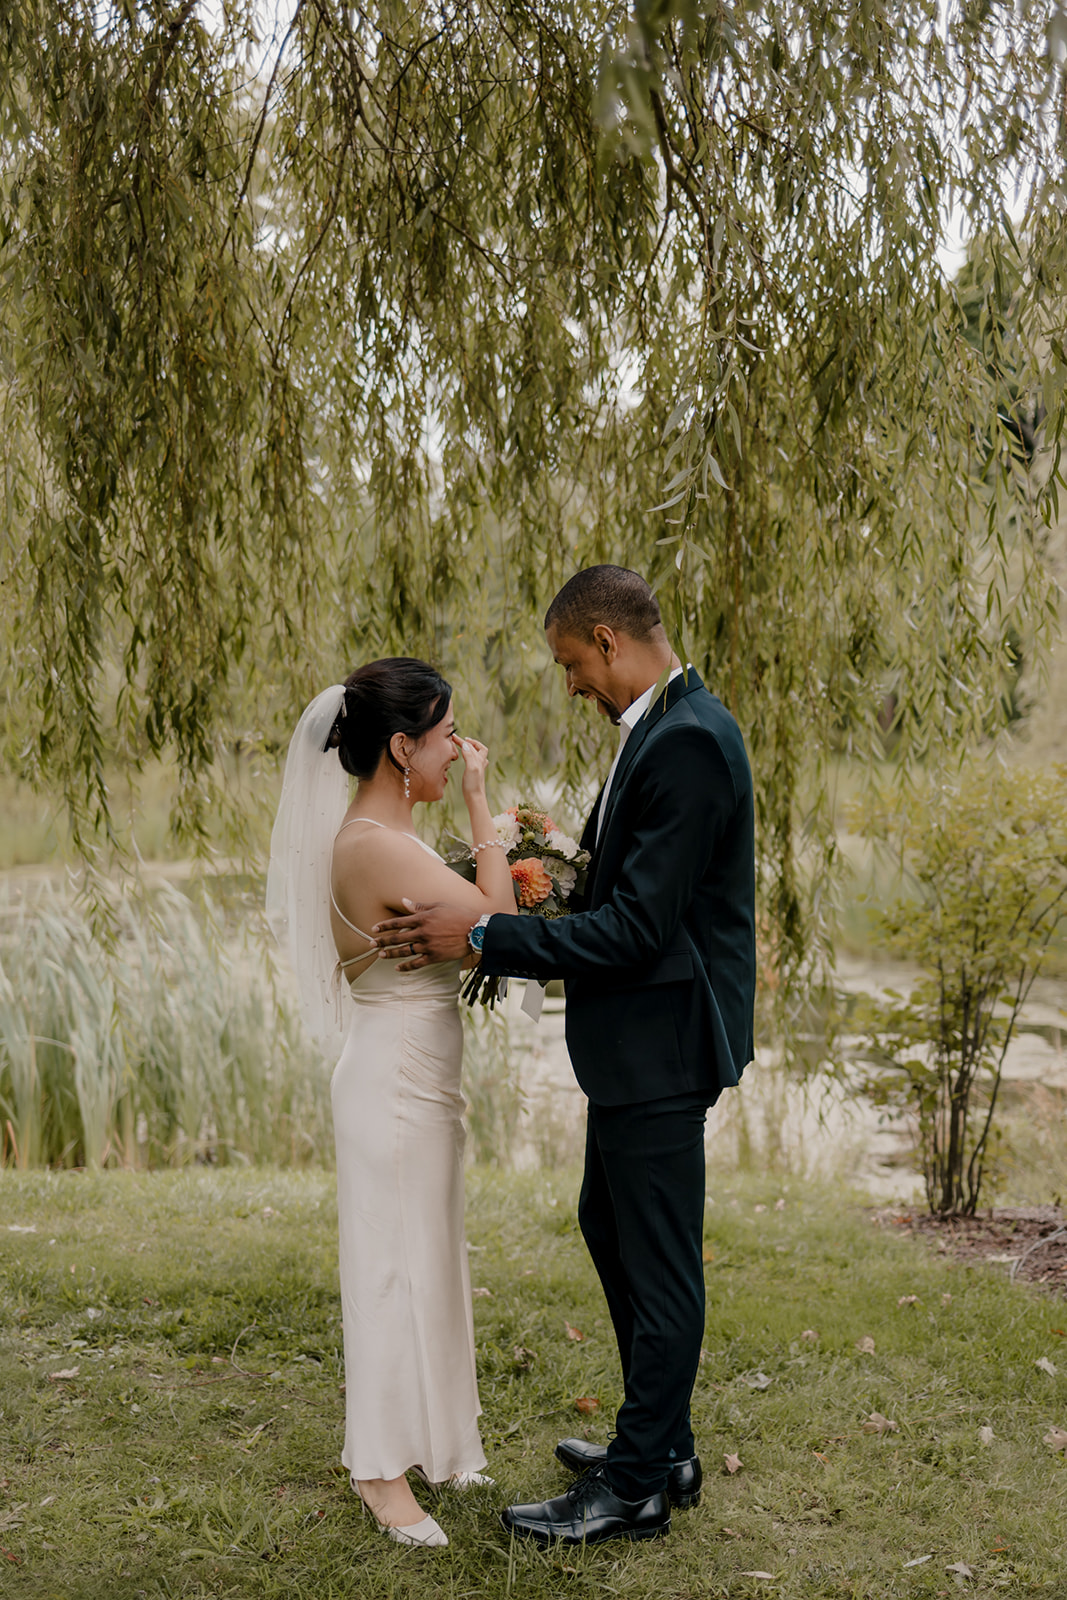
547	867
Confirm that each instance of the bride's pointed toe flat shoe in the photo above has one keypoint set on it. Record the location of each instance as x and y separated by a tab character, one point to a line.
426	1533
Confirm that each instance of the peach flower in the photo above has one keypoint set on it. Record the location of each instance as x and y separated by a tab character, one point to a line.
530	817
532	882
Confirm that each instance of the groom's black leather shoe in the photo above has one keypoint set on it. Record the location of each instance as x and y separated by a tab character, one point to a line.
588	1513
683	1480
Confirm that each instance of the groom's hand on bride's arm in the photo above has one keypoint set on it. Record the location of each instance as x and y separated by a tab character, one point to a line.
428	934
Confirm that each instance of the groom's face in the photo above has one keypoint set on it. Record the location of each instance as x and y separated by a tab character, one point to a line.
589	668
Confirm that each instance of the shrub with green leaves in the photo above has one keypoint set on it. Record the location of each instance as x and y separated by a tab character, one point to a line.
986	863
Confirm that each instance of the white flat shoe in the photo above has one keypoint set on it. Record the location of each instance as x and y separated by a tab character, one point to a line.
458	1480
426	1533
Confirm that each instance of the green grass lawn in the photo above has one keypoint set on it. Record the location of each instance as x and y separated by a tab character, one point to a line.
192	1448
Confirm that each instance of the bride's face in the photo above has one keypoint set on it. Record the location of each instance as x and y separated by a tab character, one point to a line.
434	754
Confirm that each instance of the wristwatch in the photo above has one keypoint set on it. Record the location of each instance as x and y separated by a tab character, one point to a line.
476	937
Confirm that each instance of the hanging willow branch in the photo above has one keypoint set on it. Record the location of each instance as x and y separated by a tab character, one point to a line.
362	338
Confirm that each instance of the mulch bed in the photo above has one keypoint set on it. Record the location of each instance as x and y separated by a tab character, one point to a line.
1011	1237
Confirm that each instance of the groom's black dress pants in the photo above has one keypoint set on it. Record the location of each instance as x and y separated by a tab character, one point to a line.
641	1212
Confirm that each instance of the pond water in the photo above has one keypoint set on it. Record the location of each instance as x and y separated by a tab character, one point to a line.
819	1127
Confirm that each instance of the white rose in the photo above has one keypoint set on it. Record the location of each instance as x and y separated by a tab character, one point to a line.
507	829
563	876
563	843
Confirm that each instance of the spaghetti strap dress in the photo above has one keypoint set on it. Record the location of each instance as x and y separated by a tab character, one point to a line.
411	1393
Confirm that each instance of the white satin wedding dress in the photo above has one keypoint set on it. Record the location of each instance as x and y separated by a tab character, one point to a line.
411	1394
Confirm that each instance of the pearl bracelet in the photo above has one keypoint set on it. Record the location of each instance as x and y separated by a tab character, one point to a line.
487	845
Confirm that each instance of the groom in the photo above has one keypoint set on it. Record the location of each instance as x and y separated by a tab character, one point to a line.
660	979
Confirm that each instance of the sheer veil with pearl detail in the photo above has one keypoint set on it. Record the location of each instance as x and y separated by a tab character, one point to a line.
314	799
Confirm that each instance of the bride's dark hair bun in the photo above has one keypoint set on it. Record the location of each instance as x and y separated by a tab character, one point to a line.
398	695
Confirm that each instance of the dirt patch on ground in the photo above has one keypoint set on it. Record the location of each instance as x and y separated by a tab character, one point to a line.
1028	1242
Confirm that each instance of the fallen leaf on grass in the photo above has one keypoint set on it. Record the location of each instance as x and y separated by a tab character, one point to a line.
709	1255
756	1380
920	1561
732	1463
481	1294
67	1372
18	1227
876	1423
9	1556
811	1335
769	1576
962	1568
779	1205
819	1456
731	1533
586	1404
574	1333
1043	1364
865	1346
946	1299
760	1208
908	1300
1057	1438
524	1359
985	1435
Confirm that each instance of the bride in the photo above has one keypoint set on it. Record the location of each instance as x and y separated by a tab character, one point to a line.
337	868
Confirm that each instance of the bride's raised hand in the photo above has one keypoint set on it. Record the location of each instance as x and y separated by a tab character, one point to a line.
475	766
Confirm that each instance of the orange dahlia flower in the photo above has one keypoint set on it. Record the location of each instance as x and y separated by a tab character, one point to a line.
532	882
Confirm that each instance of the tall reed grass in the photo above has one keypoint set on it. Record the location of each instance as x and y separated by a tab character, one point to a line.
492	1086
165	1045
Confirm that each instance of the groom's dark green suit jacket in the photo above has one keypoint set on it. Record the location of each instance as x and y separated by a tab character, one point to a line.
660	965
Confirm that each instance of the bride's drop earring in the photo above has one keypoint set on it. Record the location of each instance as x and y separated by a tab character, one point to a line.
407	783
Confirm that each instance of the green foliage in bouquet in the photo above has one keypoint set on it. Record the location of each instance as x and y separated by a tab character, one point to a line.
547	869
986	859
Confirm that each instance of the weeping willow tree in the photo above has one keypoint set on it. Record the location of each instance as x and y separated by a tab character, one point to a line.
357	332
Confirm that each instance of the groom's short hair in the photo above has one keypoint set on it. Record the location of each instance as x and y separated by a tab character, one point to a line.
614	596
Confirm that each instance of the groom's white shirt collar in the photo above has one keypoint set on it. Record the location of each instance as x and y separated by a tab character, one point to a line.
627	723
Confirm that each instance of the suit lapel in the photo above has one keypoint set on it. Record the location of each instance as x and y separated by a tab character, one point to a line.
661	703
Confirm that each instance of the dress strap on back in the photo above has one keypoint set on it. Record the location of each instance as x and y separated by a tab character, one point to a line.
352	822
344	919
333	897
